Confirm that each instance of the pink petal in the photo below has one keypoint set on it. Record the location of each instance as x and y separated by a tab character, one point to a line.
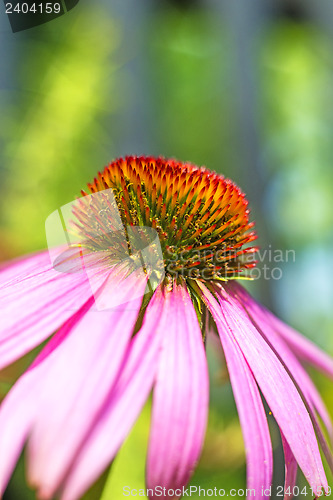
262	322
274	382
20	407
253	419
124	403
290	469
180	401
24	265
34	301
16	417
301	379
76	386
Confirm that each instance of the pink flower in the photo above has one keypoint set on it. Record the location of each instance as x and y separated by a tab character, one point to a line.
77	402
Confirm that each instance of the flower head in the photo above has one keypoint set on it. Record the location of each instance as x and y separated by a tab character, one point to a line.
201	218
128	313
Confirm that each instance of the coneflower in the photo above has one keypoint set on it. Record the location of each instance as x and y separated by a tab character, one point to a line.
129	313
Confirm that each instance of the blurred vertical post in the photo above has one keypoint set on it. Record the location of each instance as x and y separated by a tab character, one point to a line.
136	130
321	12
7	61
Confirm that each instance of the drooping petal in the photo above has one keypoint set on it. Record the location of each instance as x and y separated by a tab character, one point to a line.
303	382
180	400
261	321
290	469
20	407
310	396
124	403
77	383
35	300
274	382
253	419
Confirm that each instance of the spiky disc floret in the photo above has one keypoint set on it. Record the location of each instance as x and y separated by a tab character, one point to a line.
201	218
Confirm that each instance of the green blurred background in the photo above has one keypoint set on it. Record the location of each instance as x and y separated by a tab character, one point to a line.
243	87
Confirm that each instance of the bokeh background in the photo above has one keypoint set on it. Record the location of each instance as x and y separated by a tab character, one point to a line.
243	87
